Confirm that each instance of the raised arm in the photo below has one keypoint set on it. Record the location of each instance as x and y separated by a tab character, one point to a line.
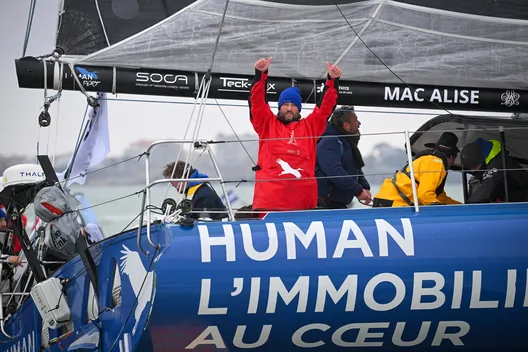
328	101
259	110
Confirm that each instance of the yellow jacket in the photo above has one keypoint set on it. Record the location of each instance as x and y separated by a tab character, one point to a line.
430	175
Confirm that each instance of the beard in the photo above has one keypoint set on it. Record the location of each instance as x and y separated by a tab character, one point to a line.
296	117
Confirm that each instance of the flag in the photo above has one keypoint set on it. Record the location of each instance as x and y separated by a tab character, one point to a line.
232	197
94	145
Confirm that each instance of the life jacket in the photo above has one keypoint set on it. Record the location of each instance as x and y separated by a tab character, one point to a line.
191	191
439	189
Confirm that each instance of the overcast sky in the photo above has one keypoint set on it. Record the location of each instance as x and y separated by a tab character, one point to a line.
128	121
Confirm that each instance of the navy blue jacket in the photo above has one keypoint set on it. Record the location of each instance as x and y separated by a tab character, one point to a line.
205	199
334	158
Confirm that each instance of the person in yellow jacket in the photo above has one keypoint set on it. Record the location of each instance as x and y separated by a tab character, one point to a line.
430	171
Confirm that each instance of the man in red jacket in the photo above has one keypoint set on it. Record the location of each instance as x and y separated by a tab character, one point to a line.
286	158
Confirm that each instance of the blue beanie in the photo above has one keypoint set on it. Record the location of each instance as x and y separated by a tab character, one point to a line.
291	95
3	214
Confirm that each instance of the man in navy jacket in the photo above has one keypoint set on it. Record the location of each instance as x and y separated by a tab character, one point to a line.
339	162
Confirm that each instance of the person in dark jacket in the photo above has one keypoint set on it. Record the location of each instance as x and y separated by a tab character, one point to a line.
339	162
484	159
202	196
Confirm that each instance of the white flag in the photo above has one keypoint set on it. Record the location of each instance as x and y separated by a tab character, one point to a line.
94	145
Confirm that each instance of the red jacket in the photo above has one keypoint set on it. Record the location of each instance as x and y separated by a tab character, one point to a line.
17	246
286	179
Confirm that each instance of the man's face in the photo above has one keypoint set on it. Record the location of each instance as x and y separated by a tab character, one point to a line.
179	185
352	124
450	161
289	111
3	224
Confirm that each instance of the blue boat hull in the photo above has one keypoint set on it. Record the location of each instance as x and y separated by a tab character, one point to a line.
99	323
447	278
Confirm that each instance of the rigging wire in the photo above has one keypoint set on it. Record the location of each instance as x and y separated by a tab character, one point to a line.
237	137
218	36
56	133
203	100
106	167
273	106
31	13
105	202
201	111
61	67
180	149
102	23
234	132
380	60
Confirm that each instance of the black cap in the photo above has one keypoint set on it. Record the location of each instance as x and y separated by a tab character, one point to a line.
471	156
447	144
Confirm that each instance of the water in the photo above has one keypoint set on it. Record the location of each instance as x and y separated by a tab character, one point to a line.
115	215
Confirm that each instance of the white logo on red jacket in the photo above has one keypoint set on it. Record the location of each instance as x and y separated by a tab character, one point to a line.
292	138
287	169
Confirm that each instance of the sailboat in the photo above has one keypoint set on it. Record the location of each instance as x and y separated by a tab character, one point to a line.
449	278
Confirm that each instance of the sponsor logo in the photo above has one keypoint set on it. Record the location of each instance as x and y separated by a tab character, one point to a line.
30	174
89	79
233	84
162	80
58	240
510	98
489	173
347	90
445	96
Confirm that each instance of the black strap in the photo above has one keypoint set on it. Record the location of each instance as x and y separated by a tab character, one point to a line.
400	193
439	190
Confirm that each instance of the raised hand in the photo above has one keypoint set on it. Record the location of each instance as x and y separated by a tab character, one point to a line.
333	70
262	64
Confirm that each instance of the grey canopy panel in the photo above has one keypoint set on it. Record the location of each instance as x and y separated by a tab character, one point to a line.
422	45
469	128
